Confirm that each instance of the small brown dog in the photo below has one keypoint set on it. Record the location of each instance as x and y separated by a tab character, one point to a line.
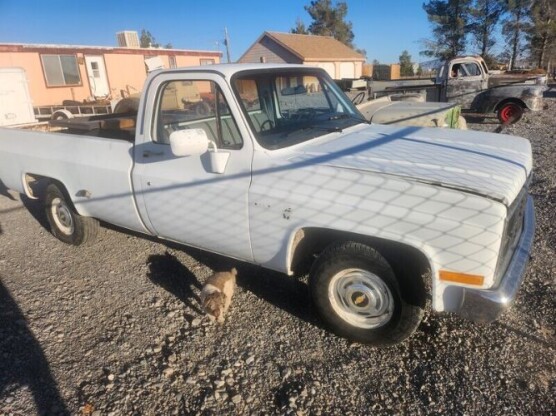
217	293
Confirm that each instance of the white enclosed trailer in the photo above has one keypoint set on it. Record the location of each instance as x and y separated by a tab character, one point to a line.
16	106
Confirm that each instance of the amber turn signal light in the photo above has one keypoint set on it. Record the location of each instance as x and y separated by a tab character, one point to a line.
468	279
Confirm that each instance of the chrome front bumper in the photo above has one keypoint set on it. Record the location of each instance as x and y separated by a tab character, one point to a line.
487	305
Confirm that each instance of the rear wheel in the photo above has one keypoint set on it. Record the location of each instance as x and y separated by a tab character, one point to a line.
66	224
510	113
359	297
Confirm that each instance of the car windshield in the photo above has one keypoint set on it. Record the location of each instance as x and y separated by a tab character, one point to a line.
293	106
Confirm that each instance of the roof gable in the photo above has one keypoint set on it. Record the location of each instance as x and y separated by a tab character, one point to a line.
313	47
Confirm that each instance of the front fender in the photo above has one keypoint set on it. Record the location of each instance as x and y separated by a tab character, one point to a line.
528	96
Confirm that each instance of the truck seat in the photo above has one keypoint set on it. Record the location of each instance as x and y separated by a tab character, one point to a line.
258	119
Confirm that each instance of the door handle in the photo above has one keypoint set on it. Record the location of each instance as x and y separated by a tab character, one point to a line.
148	153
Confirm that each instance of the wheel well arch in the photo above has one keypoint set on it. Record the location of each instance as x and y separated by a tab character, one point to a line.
307	243
35	186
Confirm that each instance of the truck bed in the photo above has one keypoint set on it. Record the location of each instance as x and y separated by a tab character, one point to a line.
111	126
94	170
497	80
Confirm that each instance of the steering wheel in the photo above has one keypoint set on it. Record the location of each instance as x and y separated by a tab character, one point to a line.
270	125
358	99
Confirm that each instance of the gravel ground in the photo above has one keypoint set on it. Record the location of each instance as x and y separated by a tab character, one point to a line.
115	329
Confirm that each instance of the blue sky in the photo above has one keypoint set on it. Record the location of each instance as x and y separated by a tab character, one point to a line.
383	28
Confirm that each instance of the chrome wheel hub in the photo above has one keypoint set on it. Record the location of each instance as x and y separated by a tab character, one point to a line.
361	298
62	216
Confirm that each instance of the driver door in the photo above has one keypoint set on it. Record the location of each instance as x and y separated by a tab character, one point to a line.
465	81
180	198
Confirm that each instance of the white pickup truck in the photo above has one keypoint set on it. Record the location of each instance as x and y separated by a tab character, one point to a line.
279	169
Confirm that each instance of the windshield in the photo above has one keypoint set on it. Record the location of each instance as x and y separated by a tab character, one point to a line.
292	106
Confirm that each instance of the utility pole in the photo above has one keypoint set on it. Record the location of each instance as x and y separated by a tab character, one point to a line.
227	43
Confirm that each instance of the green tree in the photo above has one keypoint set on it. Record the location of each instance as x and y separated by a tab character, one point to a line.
514	28
406	66
449	19
484	17
147	40
542	34
329	20
299	28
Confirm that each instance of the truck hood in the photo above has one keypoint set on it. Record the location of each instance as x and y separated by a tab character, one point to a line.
493	165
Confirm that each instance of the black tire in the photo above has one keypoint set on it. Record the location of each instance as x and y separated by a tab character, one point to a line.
509	113
65	223
343	261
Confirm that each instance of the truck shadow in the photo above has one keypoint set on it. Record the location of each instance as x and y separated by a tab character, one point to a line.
35	206
284	292
36	209
4	191
23	362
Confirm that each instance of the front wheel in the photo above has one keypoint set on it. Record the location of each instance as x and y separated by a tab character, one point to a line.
510	113
66	224
359	297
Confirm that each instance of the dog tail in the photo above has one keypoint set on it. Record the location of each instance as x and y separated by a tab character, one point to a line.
234	271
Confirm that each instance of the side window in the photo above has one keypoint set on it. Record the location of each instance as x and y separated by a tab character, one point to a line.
195	104
472	69
457	71
469	69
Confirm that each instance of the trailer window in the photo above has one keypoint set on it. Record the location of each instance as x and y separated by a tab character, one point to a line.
60	70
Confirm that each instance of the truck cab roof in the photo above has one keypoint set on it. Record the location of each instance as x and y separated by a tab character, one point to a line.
227	70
